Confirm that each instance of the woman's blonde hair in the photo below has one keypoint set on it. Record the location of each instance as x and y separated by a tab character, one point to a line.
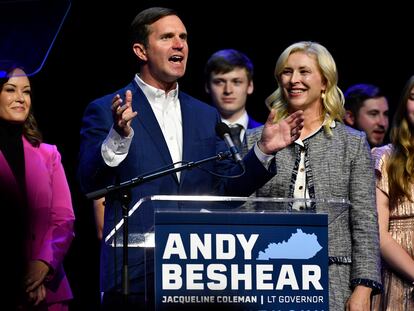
332	98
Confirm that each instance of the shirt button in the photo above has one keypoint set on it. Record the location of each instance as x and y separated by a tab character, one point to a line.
302	169
300	187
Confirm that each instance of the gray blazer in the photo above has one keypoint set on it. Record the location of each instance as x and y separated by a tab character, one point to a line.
341	167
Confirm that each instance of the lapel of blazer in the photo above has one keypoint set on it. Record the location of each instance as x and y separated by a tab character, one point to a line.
245	149
318	153
189	121
34	170
252	136
148	120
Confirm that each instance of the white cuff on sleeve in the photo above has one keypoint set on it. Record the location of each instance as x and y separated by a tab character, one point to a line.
264	158
115	147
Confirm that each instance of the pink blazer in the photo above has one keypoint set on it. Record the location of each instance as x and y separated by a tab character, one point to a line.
51	215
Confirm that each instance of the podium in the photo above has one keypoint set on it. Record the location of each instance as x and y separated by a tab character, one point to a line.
233	253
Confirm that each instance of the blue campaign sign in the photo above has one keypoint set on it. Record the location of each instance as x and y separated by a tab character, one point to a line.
241	261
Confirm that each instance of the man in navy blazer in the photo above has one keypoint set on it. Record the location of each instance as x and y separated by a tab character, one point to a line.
229	82
149	125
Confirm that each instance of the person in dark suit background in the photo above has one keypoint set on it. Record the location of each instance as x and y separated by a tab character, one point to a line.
153	124
367	110
229	82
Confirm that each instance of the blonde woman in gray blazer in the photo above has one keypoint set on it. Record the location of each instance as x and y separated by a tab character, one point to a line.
329	160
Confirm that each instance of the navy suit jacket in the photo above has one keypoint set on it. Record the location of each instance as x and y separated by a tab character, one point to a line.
149	152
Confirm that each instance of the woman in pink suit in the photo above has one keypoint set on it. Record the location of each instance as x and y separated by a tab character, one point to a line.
34	185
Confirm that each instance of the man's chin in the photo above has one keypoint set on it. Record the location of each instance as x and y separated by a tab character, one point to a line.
376	143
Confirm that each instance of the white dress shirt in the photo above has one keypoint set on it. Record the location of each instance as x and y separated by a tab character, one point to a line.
243	121
167	110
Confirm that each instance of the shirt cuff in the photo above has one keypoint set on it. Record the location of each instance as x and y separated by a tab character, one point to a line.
264	158
115	147
376	287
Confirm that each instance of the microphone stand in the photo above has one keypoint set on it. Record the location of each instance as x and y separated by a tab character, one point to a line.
124	187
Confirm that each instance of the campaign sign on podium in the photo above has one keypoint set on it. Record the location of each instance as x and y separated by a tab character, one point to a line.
229	253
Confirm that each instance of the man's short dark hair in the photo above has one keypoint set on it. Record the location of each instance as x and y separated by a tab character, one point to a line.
224	61
140	24
358	93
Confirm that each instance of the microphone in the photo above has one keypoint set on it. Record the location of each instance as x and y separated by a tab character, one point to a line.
223	131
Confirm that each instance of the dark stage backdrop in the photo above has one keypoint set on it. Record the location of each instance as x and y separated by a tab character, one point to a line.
91	57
